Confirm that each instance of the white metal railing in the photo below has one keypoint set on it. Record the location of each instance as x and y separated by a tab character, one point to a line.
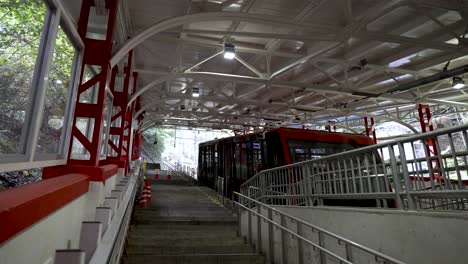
331	247
407	173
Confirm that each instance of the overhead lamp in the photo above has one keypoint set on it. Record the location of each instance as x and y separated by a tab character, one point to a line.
458	82
195	92
165	120
229	51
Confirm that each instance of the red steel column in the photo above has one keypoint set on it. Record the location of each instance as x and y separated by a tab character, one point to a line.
425	119
370	129
96	53
120	100
128	121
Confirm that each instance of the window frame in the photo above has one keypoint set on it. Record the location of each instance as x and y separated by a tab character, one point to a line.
56	15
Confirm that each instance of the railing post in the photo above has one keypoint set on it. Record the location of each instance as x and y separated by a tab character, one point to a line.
239	219
284	255
300	245
306	183
349	253
259	229
262	187
396	177
404	167
271	237
250	226
323	259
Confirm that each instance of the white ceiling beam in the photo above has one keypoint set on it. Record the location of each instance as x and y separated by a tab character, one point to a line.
250	67
203	61
211	16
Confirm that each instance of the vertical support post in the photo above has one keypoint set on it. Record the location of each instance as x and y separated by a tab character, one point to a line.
425	119
406	177
370	128
69	256
90	238
284	254
307	187
300	244
118	120
96	53
323	256
259	229
239	219
271	237
249	226
128	124
396	176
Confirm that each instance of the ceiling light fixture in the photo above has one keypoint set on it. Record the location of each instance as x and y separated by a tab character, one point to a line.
458	83
229	51
195	92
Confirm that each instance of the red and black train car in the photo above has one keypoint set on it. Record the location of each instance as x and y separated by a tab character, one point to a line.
236	159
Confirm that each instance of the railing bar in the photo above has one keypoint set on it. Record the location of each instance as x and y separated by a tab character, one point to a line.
345	168
447	183
353	176
363	248
361	183
396	177
452	147
404	166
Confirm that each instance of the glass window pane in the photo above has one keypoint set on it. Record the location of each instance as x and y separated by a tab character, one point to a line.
90	95
20	34
85	126
106	123
59	81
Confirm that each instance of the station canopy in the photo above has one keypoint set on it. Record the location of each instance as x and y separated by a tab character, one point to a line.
295	62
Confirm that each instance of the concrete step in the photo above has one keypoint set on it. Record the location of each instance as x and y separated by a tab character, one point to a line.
187	226
182	233
185	220
189	214
197	249
183	207
198	258
212	241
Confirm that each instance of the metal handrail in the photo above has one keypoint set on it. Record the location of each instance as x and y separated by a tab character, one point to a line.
344	241
362	174
407	139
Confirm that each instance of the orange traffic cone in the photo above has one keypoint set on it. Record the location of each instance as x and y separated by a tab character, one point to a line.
147	191
146	195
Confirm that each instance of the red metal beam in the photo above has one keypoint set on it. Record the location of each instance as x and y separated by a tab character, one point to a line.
120	101
370	128
23	206
96	53
425	119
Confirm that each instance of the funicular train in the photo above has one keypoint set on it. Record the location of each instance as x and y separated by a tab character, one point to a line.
236	159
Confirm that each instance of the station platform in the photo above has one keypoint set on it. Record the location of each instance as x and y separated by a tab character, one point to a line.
185	223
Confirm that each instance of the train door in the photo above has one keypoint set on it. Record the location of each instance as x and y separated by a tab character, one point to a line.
257	157
228	168
274	151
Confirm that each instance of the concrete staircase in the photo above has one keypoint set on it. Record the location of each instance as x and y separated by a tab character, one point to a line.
185	224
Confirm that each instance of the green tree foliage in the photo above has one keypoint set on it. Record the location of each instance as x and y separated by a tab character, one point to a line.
21	26
21	23
163	138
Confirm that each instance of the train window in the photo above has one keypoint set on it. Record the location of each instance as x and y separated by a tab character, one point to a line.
307	150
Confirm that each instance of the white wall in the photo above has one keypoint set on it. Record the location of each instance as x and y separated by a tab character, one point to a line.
412	237
37	244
